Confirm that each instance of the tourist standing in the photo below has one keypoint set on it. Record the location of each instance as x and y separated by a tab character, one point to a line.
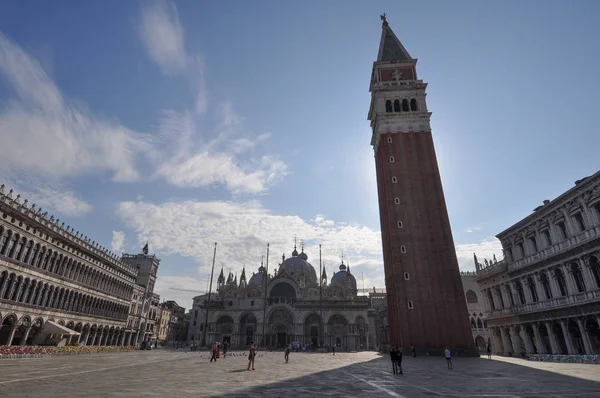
414	352
394	359
448	357
215	349
251	355
225	347
288	349
333	349
489	352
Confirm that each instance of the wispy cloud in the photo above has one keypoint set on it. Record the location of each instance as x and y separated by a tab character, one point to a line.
472	229
50	137
163	37
53	198
118	240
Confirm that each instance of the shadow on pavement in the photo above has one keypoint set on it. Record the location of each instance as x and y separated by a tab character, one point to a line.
429	377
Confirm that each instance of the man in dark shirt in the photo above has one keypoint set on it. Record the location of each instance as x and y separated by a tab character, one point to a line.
394	358
399	360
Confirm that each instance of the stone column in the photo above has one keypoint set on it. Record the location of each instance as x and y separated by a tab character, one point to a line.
556	350
496	341
25	336
11	335
505	297
571	288
567	337
3	286
585	337
539	289
497	299
528	297
516	342
122	339
526	339
538	339
506	344
22	286
588	278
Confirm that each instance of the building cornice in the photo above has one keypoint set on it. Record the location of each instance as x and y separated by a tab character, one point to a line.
551	206
14	208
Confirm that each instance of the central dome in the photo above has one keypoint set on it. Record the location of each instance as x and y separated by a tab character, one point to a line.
296	266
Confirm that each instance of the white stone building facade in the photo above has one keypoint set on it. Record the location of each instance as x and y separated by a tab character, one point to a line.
57	284
477	311
295	309
51	275
544	296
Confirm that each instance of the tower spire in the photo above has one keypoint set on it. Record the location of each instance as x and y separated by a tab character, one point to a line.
390	47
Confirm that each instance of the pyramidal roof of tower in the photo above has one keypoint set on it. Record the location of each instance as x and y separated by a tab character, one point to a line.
390	48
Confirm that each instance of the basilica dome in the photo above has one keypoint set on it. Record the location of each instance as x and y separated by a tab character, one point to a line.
296	266
258	278
343	278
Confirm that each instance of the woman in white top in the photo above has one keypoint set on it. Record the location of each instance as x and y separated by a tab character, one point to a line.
448	357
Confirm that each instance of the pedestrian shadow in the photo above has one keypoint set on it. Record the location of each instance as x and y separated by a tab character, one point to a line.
238	370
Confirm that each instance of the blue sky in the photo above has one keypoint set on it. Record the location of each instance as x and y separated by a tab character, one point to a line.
185	123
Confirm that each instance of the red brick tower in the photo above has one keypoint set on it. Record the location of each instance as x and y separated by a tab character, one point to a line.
426	303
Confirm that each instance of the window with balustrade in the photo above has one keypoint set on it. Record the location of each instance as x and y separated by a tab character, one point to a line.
532	290
562	229
578	277
560	281
546	285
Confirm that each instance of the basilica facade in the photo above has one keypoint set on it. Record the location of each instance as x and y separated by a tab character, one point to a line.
294	304
544	296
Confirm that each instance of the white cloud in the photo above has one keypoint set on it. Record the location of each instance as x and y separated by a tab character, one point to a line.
472	229
163	37
178	288
205	169
188	159
54	199
118	240
50	137
242	232
486	248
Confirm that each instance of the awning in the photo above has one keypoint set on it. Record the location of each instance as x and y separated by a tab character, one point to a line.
55	328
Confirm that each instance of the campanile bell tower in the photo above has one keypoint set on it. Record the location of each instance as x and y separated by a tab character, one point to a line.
426	303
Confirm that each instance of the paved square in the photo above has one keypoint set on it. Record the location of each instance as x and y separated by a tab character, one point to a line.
167	373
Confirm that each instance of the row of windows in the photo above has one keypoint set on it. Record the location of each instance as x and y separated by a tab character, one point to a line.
18	248
545	290
545	238
401	106
73	250
21	289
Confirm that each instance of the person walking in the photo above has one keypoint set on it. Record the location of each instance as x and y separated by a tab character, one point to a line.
394	358
448	355
333	349
251	355
399	360
489	352
288	349
214	352
413	350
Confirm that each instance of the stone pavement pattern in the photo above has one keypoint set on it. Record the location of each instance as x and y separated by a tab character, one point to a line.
167	373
